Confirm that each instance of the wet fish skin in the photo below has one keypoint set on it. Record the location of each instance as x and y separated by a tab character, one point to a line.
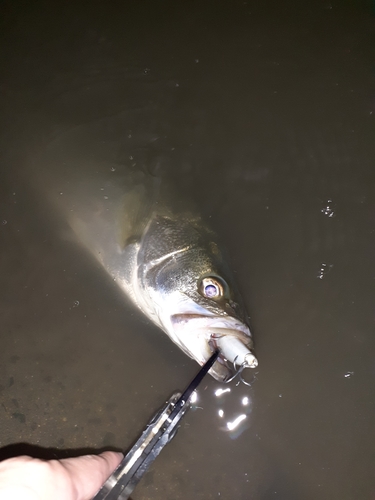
161	253
165	267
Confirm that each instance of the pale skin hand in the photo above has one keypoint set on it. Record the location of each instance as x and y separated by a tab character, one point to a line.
26	478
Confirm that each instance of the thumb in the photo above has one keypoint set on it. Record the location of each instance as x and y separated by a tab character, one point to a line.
89	472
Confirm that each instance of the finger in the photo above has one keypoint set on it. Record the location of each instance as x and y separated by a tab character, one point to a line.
89	472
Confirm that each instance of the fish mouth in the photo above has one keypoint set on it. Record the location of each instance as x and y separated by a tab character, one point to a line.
200	335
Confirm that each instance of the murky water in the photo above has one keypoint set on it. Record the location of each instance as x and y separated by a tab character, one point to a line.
264	115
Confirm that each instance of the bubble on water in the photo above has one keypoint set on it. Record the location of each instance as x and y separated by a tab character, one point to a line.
328	209
131	157
76	303
177	85
4	222
105	197
324	269
146	71
348	374
61	193
129	136
101	189
196	60
113	169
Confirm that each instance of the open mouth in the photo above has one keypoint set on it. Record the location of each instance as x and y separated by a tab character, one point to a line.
234	346
227	334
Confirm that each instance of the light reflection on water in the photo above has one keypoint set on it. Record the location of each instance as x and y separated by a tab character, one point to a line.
236	422
229	409
219	392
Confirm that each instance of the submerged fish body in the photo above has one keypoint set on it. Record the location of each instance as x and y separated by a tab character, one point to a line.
168	262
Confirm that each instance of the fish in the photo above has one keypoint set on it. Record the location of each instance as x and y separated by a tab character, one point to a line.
168	261
147	236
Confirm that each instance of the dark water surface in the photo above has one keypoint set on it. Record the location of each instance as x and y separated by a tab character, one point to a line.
263	113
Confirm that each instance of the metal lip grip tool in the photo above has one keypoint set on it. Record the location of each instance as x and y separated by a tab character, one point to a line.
158	432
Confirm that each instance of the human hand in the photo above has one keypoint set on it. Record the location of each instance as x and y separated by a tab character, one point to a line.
26	478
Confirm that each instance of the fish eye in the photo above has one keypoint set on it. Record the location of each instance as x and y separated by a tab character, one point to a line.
211	288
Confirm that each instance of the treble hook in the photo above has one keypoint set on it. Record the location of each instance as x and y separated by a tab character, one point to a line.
239	372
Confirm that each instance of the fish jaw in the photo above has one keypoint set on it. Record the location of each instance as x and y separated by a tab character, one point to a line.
200	335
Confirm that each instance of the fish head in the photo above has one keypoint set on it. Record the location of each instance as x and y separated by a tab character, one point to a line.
199	307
